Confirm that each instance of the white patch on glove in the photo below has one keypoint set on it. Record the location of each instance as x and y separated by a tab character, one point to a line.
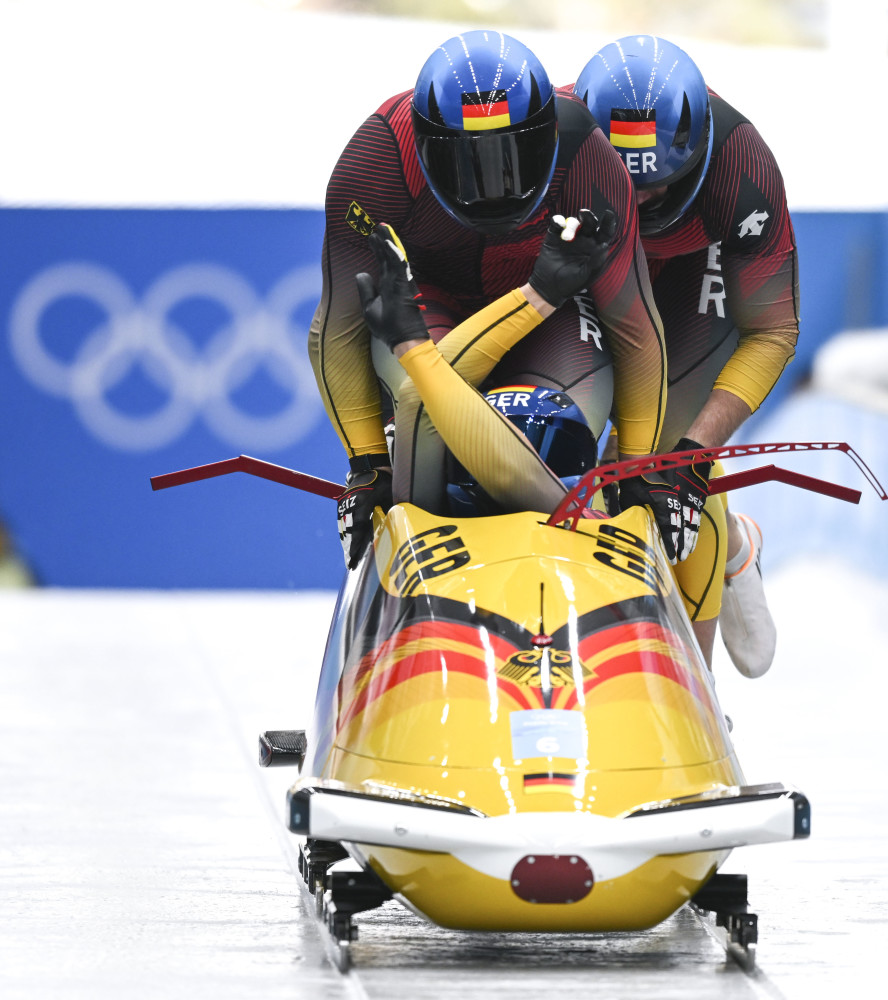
570	227
402	257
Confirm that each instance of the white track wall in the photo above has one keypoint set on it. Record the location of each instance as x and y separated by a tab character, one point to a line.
248	102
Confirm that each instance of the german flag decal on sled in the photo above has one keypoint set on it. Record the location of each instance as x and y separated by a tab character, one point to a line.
546	782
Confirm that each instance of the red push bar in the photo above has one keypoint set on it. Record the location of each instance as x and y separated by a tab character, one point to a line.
254	467
774	474
571	507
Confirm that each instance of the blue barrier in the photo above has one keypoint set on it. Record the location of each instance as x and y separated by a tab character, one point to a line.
843	257
137	342
797	523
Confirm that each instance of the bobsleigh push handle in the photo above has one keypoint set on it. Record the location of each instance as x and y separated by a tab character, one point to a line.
254	467
571	507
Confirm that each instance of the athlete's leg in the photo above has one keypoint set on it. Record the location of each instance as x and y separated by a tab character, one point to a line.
704	632
700	577
747	627
700	337
735	536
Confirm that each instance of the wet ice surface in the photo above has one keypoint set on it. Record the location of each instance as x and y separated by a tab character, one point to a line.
143	852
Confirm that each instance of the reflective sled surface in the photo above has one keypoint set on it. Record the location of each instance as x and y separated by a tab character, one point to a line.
515	729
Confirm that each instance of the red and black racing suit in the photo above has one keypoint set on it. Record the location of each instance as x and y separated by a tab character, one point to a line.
378	179
725	278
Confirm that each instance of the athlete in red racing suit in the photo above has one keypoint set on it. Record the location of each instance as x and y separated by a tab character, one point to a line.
607	344
723	264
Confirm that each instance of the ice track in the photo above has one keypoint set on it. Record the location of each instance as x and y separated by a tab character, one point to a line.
143	852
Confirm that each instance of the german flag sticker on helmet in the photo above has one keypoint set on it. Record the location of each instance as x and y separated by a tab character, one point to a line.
485	109
631	129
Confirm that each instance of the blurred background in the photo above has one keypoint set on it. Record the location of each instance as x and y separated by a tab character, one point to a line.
161	182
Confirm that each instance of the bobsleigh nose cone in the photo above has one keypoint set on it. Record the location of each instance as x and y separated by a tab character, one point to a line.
552	878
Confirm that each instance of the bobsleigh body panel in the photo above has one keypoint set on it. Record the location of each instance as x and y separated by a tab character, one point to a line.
452	894
513	668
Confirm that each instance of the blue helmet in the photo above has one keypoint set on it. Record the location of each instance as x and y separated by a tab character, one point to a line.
650	98
555	426
553	423
485	129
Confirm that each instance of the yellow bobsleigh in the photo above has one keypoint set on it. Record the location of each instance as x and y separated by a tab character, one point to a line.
515	729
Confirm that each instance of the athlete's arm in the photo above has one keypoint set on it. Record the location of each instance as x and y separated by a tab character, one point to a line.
494	452
466	331
623	298
366	187
498	456
760	270
722	413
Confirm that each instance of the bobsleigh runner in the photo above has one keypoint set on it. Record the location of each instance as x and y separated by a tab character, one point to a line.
515	730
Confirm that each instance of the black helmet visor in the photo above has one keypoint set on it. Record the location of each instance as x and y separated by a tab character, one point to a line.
491	181
566	446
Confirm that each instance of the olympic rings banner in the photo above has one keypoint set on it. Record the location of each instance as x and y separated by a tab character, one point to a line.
138	342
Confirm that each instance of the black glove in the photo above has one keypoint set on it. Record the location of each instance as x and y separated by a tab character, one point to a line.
691	484
675	498
394	311
572	254
365	489
660	497
610	494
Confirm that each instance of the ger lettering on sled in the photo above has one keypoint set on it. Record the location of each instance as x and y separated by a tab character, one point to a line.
514	727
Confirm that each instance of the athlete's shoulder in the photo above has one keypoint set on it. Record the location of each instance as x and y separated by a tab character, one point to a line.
397	115
390	120
574	117
743	199
577	130
397	107
737	147
379	163
725	118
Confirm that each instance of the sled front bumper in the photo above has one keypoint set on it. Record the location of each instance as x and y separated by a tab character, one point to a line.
714	821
